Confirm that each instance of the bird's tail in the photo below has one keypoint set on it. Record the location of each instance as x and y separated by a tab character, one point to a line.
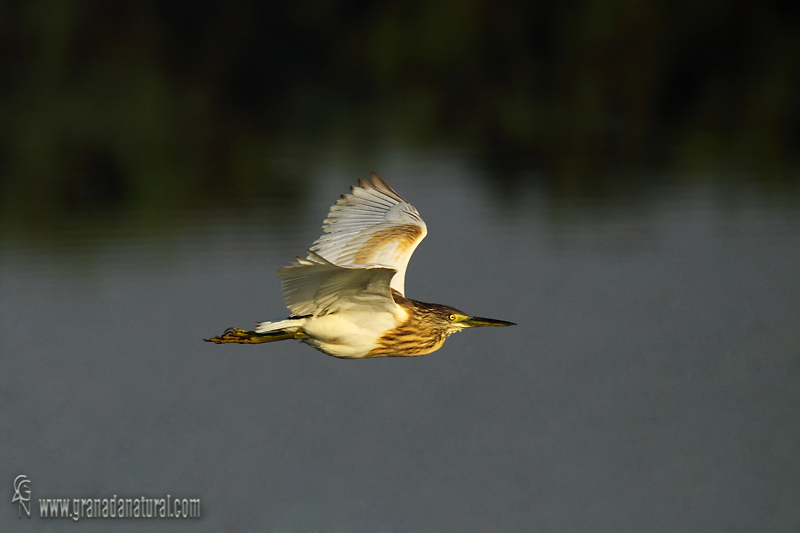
289	325
242	336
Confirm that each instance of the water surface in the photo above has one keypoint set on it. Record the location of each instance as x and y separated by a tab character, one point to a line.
651	383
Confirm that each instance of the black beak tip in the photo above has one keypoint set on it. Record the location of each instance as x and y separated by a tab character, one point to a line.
480	321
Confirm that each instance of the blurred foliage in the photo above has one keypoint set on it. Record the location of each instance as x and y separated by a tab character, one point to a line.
140	107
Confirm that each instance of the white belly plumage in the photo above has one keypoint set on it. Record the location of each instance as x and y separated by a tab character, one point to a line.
349	334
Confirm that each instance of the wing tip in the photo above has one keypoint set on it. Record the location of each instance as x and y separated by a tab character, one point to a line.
379	184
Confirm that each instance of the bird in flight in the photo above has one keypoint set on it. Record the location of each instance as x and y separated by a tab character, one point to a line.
347	297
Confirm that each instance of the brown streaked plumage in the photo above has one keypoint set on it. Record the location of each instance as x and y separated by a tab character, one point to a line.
415	336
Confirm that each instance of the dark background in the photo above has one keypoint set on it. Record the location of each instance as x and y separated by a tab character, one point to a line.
147	106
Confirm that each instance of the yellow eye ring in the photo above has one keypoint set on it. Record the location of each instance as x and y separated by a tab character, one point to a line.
451	317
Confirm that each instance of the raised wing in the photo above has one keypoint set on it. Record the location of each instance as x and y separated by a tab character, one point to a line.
372	225
317	287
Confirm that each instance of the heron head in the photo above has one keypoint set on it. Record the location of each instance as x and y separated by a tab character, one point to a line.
452	320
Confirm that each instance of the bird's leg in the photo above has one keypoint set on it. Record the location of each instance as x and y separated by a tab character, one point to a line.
242	336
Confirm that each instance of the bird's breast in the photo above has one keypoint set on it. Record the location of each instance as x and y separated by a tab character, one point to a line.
350	334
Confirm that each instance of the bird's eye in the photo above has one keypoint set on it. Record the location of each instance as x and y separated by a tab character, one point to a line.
451	317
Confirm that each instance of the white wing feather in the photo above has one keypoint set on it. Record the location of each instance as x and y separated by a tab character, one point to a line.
372	226
317	287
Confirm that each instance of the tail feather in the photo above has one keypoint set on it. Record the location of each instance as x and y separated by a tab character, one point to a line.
289	325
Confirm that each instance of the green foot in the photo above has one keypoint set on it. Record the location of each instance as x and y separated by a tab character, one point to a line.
240	336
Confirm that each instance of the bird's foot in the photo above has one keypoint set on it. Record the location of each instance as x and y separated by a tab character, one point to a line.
237	335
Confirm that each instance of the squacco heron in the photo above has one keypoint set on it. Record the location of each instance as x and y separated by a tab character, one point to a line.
347	297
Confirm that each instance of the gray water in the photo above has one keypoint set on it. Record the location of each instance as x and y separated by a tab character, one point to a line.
651	384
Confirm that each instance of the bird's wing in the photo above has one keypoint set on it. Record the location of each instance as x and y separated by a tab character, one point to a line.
317	287
372	225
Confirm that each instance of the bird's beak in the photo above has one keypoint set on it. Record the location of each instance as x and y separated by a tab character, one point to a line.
476	321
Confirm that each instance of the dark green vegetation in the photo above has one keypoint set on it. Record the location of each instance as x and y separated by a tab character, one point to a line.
137	108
